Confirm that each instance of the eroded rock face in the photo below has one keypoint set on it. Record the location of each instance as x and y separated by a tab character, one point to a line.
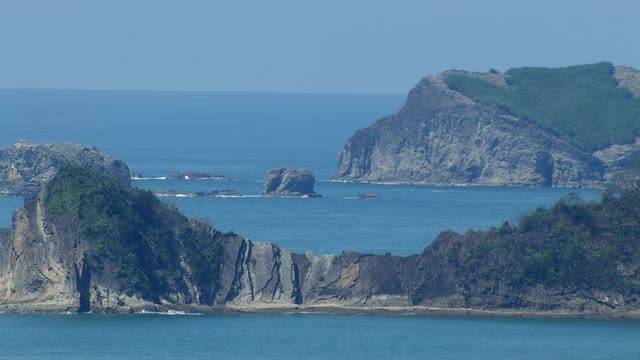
441	137
26	166
628	78
48	263
285	181
44	267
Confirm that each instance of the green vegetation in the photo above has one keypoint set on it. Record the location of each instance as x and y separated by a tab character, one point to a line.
132	231
572	246
581	104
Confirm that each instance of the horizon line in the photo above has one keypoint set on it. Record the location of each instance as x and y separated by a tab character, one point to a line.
254	92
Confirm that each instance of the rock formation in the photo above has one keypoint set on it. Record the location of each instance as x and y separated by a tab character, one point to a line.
25	166
288	182
212	193
442	137
138	253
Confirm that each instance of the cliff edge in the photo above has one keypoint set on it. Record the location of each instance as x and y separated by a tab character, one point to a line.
90	243
565	127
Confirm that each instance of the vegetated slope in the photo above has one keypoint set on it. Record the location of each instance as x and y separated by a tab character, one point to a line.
89	242
554	257
89	233
582	104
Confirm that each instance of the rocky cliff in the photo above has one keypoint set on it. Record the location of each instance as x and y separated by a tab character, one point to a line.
26	166
443	136
89	243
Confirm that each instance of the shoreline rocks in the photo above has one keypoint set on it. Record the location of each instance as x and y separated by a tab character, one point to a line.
289	182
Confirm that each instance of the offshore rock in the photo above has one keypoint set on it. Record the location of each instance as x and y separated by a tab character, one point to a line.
289	182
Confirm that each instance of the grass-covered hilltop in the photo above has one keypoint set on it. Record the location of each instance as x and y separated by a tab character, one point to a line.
572	126
581	104
88	242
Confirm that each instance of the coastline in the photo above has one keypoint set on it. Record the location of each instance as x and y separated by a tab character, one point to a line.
595	186
328	309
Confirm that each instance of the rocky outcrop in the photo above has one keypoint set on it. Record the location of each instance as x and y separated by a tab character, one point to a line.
619	158
289	182
26	166
89	242
628	78
369	197
48	264
442	137
207	194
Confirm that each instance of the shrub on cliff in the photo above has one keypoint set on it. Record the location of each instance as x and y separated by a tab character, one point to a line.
131	229
574	245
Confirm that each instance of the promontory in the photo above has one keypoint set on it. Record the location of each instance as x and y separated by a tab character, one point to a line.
89	242
574	126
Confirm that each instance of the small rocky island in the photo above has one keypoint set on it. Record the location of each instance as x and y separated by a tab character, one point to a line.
212	193
289	182
369	197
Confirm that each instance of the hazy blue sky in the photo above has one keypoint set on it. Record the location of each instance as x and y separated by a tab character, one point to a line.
299	46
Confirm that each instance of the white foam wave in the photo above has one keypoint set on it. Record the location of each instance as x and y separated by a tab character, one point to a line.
175	195
168	312
150	178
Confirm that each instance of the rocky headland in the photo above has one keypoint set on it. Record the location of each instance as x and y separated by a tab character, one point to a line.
26	166
88	242
526	127
289	182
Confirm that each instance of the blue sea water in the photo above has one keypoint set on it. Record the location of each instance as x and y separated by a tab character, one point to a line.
314	337
242	135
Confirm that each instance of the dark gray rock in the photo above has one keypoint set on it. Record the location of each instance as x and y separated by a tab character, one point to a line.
212	193
26	166
285	182
369	197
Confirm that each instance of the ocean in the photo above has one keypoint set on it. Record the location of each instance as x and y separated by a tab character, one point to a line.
242	135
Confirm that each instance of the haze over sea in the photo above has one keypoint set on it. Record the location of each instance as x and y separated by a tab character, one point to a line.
242	135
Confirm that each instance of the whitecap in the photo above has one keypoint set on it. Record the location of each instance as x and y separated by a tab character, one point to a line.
168	312
150	178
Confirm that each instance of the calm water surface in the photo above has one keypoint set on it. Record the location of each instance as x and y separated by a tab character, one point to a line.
312	337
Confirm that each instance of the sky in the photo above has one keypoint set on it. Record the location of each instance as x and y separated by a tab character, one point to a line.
298	46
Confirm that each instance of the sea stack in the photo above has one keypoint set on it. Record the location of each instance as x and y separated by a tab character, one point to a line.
289	182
